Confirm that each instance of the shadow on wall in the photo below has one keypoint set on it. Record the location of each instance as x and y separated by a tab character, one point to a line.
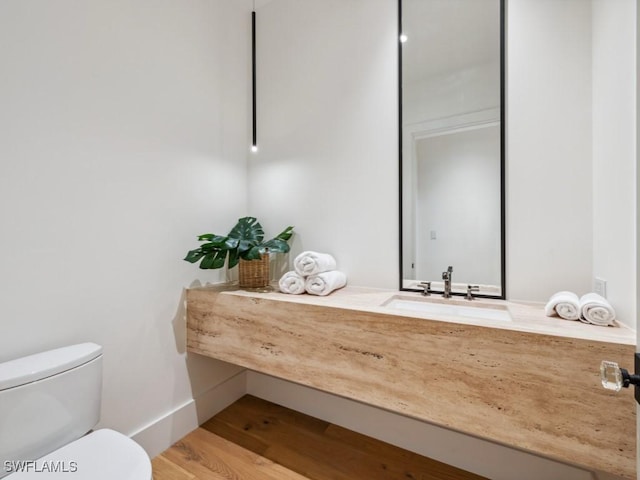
179	321
213	383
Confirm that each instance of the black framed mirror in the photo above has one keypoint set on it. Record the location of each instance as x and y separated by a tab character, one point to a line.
452	145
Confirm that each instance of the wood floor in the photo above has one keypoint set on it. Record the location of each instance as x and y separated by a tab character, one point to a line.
254	439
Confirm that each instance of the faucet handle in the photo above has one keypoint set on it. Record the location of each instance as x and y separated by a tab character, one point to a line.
426	288
471	289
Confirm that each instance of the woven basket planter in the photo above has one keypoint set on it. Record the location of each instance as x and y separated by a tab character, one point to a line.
254	273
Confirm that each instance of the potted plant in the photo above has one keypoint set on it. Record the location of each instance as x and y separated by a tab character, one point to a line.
243	245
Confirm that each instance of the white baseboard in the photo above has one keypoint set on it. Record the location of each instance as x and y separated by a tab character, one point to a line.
479	456
174	425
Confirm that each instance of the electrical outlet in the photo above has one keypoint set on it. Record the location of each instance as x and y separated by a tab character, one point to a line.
600	287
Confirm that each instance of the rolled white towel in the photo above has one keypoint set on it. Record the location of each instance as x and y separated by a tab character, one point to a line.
597	310
310	263
564	304
326	282
291	283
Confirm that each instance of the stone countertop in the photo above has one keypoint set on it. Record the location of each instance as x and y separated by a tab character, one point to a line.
526	316
532	383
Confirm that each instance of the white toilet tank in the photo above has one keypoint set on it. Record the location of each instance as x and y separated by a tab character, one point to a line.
48	400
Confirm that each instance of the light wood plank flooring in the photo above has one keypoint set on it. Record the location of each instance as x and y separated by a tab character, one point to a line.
254	439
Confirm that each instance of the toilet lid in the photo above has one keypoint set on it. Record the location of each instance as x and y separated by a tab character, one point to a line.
100	455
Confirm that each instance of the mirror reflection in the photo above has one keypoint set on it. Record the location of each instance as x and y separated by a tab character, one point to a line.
452	145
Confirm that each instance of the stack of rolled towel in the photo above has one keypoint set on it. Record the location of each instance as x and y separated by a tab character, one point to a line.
590	308
314	273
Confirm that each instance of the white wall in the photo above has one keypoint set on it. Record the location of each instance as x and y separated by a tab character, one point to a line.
327	132
571	120
549	174
614	152
123	134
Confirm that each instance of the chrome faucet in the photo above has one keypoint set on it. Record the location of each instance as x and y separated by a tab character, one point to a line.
446	276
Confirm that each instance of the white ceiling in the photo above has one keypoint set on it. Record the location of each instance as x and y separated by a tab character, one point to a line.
448	35
261	3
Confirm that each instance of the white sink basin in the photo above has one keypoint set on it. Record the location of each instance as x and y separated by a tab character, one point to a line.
450	308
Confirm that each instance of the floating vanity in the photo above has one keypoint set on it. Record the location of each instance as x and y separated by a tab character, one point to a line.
505	373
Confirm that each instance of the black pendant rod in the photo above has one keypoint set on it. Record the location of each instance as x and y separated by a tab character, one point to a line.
253	68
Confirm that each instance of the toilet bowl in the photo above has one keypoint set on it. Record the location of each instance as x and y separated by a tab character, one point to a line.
48	403
101	455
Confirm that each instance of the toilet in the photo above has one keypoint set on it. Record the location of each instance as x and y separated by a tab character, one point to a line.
48	403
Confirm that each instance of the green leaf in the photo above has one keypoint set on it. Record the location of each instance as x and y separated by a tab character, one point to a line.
207	261
220	258
216	240
219	239
246	245
254	253
231	243
205	236
208	247
276	245
214	260
248	232
279	244
194	255
286	234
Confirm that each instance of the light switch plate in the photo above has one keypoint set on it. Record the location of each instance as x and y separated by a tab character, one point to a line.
600	287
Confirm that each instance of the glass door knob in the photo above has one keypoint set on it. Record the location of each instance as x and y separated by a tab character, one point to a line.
614	378
611	375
